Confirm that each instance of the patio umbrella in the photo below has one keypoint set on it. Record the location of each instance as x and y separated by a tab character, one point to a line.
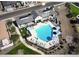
54	33
54	28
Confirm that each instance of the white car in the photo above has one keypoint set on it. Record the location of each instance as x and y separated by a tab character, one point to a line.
10	9
31	5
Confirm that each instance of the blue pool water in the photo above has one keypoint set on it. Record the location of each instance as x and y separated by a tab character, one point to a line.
45	33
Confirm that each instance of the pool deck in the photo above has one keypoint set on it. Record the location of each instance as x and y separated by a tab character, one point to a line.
40	40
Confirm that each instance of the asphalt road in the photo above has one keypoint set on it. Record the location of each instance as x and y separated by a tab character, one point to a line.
19	12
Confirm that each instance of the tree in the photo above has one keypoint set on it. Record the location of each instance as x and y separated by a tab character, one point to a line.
38	21
76	40
9	23
67	5
12	29
14	37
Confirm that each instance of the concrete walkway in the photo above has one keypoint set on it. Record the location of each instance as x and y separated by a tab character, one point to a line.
24	42
20	52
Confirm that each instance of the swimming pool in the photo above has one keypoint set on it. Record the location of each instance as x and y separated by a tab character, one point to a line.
45	32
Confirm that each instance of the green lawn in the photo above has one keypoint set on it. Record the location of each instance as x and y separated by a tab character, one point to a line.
25	50
74	10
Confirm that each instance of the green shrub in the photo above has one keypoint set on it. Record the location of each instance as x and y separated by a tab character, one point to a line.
14	37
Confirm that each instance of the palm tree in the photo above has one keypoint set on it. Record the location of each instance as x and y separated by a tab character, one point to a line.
67	5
